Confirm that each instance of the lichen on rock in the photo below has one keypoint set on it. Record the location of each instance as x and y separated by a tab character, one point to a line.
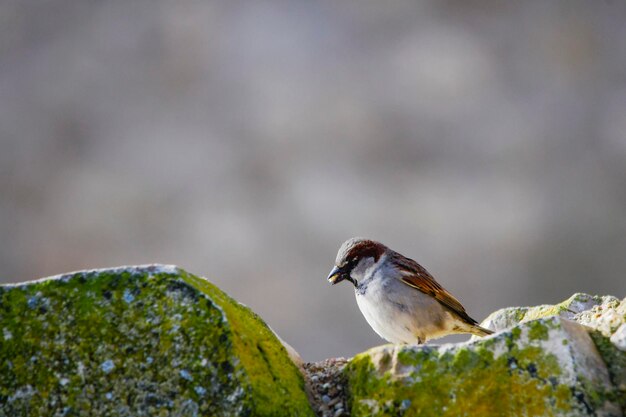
604	316
604	313
139	341
545	367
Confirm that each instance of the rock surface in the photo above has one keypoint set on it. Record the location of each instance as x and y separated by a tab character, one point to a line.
604	315
156	340
139	341
544	361
326	383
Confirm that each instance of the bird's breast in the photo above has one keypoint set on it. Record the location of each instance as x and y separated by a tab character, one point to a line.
399	313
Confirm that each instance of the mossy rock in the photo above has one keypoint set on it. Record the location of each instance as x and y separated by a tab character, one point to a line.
604	313
604	316
139	341
545	367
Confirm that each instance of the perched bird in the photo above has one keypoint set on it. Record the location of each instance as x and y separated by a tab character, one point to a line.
400	300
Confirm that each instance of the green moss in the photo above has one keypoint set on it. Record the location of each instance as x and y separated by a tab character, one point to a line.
275	381
615	360
521	379
516	332
139	341
538	330
467	383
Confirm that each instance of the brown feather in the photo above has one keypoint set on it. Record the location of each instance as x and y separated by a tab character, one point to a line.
358	248
416	276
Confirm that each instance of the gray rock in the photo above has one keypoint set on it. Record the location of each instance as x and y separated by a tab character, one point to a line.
139	341
619	338
544	367
604	316
580	307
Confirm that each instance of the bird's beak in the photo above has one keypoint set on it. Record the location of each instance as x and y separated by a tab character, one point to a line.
336	275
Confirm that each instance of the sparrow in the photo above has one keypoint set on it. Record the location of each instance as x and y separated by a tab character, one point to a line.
400	300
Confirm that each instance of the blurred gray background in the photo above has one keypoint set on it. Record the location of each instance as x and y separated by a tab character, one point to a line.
244	141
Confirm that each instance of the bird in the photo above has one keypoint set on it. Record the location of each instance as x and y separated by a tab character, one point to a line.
399	299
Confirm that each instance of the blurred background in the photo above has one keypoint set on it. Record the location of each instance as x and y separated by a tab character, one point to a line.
245	141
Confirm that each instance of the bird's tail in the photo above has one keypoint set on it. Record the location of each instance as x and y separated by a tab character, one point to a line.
480	331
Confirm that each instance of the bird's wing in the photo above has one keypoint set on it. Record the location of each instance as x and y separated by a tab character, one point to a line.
416	276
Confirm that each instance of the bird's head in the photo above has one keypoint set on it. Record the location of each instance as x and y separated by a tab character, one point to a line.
354	258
